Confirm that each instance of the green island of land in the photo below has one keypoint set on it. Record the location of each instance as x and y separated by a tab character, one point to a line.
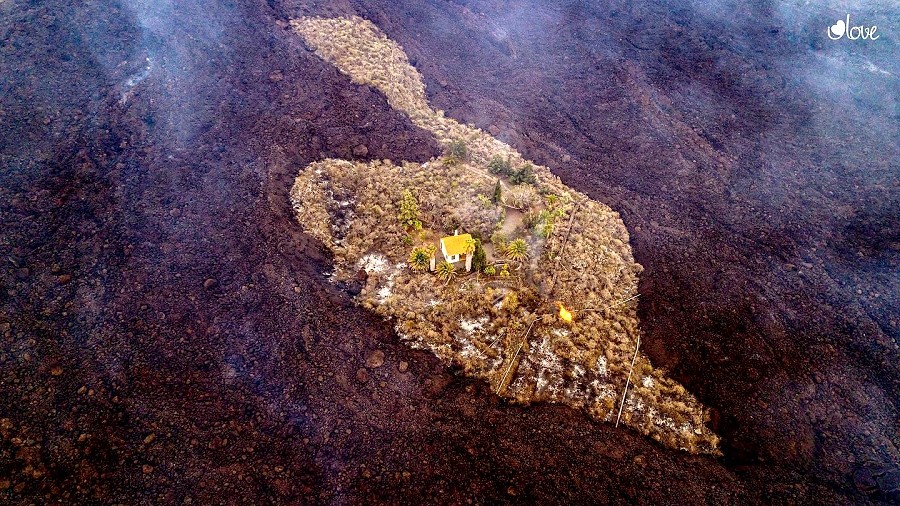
483	257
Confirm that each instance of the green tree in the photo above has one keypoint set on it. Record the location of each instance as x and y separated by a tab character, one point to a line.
525	175
420	257
445	271
499	167
409	211
497	198
517	250
479	257
458	151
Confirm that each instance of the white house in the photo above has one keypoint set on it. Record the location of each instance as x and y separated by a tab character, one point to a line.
455	247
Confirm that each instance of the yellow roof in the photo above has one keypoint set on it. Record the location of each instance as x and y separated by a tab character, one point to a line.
455	244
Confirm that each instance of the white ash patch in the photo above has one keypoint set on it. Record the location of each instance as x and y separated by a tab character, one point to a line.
469	350
560	332
660	420
373	263
634	404
602	390
470	327
578	370
647	382
386	290
601	366
548	368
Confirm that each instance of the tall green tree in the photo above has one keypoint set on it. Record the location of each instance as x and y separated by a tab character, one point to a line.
479	257
497	198
409	211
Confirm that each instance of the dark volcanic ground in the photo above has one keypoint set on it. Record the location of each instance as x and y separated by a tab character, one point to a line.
167	335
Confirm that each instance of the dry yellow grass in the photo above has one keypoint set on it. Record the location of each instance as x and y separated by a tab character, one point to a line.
476	321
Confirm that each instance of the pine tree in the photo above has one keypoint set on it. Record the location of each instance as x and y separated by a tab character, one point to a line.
479	257
498	193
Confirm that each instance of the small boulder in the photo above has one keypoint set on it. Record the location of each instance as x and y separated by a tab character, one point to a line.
375	359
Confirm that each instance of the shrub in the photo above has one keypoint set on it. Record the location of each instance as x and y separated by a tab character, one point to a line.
490	270
504	271
499	167
525	175
530	219
499	240
451	223
521	197
511	301
546	221
458	151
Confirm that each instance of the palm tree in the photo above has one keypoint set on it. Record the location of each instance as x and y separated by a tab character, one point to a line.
420	258
517	250
445	271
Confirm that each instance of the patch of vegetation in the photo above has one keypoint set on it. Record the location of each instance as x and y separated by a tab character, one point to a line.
457	151
500	166
420	257
525	175
522	197
517	250
501	326
445	271
409	211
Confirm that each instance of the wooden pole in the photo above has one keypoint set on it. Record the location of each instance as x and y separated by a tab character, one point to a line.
622	403
585	310
513	361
